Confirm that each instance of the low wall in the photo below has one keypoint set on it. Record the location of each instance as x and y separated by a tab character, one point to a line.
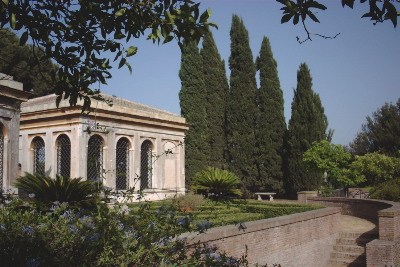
384	251
302	239
362	208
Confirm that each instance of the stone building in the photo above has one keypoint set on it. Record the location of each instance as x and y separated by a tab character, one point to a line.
124	145
11	97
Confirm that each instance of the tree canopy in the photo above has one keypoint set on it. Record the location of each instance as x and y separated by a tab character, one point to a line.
20	62
76	35
381	132
299	10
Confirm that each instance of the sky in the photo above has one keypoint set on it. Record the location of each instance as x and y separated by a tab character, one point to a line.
354	74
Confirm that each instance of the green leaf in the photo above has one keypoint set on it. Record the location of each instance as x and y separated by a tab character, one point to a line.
12	20
122	62
312	16
318	5
23	39
5	2
286	18
296	19
204	17
131	51
120	12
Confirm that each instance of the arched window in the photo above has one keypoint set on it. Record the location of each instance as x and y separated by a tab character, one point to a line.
146	165
1	155
95	158
39	156
63	156
122	164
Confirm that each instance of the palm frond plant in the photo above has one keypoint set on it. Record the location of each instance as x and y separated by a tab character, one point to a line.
63	189
216	183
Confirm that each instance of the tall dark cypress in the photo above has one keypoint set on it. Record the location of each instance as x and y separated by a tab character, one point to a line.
307	124
192	101
216	90
242	109
271	125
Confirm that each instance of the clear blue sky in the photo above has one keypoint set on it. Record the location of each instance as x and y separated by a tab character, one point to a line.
354	74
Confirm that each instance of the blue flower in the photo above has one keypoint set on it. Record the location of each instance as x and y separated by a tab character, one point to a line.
73	228
2	227
203	226
87	221
92	238
27	230
68	215
214	256
32	263
184	221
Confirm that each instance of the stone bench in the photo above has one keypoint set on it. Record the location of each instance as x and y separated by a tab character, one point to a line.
259	194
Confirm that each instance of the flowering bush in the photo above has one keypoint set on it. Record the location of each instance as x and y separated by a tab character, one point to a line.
101	236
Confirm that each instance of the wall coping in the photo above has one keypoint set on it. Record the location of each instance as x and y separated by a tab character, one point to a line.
259	225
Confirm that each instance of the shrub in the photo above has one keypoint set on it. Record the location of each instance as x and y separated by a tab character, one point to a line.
216	183
102	237
63	189
189	202
389	190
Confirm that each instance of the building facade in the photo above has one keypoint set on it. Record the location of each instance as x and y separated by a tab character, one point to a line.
124	145
11	97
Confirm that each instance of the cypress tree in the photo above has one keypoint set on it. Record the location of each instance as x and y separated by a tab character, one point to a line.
242	109
307	124
192	102
216	90
271	126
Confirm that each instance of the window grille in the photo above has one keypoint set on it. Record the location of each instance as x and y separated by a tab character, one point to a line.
95	159
122	164
63	156
146	169
39	156
1	156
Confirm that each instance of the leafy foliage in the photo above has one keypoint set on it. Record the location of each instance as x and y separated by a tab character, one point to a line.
21	63
242	108
77	34
217	183
121	236
388	190
216	93
381	132
271	125
62	189
300	10
193	107
334	160
376	168
307	124
189	202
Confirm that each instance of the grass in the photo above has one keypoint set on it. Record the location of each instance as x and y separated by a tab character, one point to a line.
237	211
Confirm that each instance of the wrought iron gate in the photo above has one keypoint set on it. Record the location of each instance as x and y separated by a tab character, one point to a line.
146	165
95	159
63	156
122	164
39	156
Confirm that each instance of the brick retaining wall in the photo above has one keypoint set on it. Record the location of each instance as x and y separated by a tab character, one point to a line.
384	251
302	239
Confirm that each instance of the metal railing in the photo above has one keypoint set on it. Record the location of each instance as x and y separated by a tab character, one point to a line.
122	164
39	156
63	156
95	159
146	165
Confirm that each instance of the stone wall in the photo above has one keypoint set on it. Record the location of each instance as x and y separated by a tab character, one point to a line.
11	97
302	239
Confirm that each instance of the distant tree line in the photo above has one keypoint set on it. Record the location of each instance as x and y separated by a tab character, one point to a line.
241	127
26	64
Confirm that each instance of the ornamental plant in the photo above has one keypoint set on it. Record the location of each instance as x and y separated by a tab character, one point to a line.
217	183
121	236
63	189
